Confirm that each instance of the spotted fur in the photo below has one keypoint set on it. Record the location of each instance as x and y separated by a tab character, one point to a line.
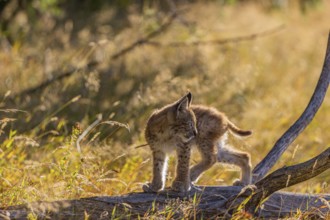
178	127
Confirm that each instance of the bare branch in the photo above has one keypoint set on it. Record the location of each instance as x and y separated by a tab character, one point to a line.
307	116
217	41
46	83
93	64
174	9
145	39
288	176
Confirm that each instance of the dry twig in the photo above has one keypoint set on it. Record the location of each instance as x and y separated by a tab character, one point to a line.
217	41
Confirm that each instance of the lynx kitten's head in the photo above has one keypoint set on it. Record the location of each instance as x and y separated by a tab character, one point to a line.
185	120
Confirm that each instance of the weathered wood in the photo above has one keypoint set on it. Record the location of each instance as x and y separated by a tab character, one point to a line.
288	176
207	202
291	134
210	205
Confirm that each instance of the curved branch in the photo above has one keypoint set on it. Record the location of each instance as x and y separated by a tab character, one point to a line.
217	41
291	134
288	176
46	83
93	64
145	39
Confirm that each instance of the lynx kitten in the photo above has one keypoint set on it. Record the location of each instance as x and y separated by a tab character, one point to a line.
178	127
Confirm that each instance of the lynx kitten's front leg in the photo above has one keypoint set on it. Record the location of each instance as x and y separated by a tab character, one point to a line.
159	170
181	182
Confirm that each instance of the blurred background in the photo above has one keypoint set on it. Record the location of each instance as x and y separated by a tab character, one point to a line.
62	63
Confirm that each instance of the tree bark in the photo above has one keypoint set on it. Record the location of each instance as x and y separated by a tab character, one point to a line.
201	202
210	204
287	176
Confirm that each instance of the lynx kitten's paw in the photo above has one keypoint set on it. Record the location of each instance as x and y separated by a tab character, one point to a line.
248	190
149	188
195	188
238	182
179	186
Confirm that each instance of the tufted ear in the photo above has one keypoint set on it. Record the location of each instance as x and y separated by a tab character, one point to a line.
189	96
184	103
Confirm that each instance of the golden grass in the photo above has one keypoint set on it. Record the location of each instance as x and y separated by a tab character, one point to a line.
263	85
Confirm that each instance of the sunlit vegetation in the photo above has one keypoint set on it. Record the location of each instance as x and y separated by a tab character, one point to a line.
262	84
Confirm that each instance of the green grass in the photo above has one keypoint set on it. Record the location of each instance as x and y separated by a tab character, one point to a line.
263	85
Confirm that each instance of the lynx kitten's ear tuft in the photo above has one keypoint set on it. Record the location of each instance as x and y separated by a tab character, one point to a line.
189	96
182	105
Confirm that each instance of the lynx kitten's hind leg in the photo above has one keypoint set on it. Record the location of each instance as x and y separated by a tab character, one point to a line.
209	158
238	158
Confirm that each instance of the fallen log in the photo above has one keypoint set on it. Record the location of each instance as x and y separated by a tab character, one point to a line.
209	204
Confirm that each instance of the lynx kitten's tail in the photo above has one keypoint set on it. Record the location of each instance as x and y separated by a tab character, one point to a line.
233	128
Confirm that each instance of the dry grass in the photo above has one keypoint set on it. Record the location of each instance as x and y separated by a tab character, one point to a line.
263	85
